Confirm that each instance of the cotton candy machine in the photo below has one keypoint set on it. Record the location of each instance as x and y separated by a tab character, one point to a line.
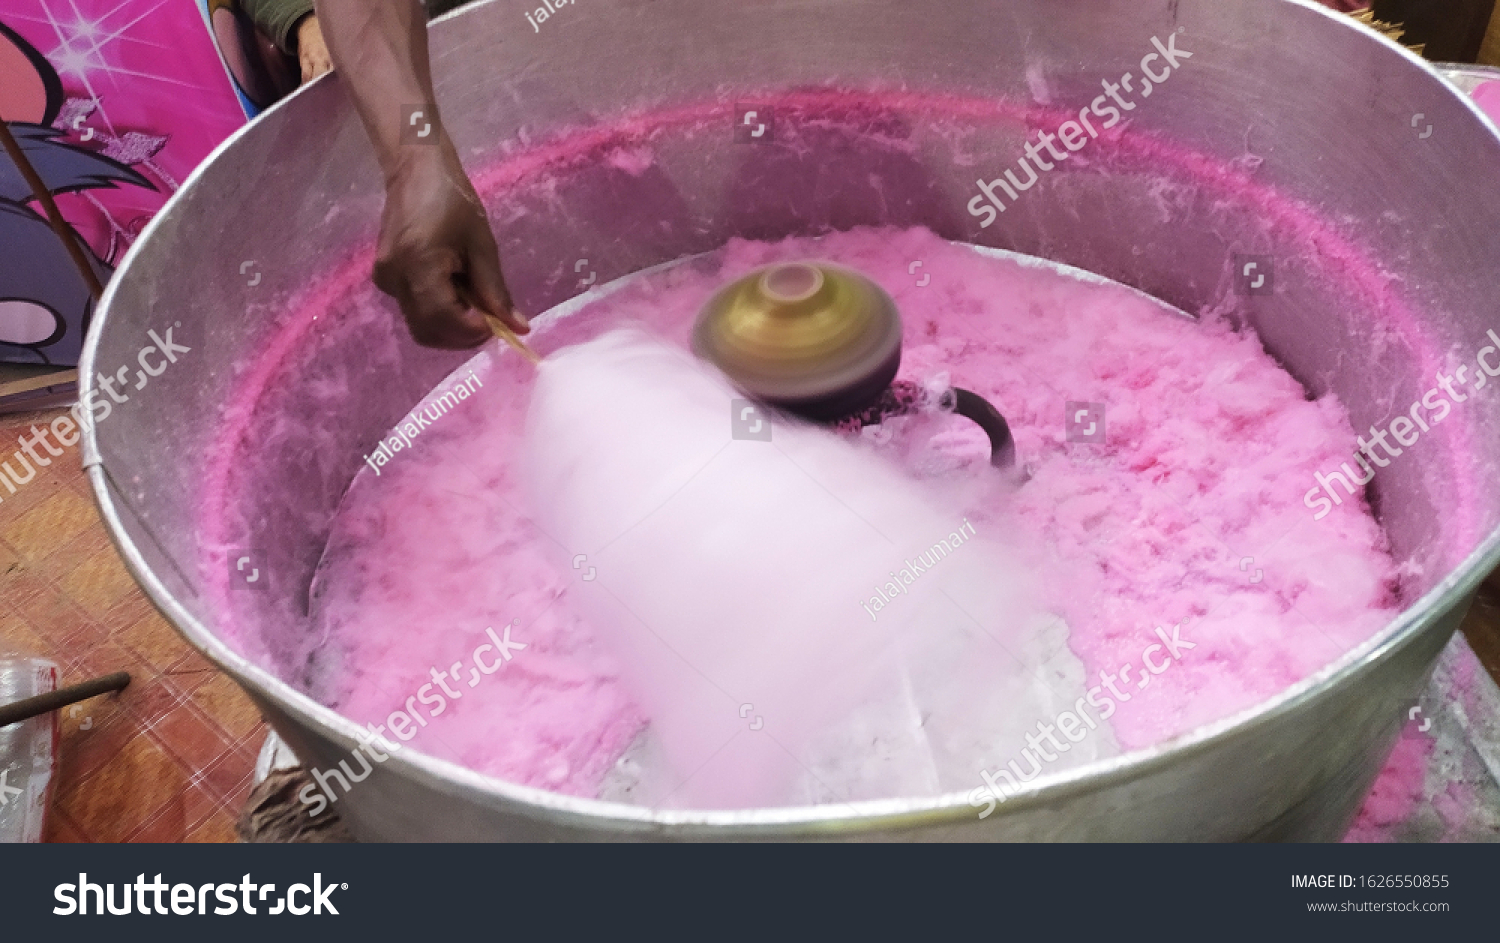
1313	182
823	342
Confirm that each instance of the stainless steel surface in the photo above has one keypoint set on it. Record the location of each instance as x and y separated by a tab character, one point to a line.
1283	108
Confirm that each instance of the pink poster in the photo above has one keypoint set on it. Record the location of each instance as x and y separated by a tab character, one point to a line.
113	102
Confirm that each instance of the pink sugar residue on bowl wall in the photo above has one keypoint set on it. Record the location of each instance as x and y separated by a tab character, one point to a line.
1487	97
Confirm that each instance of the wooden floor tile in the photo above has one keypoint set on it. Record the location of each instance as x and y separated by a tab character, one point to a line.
54	617
56	520
219	828
222	699
195	740
18	638
10	565
47	483
60	828
131	787
83	752
170	753
155	642
98	582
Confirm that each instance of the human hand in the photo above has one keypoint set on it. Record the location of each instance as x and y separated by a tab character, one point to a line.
437	256
312	52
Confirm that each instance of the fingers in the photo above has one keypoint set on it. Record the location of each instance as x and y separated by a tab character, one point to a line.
435	311
312	51
487	283
314	66
438	258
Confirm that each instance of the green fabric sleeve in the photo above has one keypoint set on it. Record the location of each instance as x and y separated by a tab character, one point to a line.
278	20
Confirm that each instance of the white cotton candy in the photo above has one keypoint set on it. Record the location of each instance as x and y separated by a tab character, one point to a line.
737	581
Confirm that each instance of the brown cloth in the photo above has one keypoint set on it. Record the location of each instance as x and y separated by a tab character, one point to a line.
273	813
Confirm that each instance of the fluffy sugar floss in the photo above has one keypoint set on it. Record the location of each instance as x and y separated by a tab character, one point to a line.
603	577
737	573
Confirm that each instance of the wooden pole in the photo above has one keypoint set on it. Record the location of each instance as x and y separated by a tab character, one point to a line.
44	197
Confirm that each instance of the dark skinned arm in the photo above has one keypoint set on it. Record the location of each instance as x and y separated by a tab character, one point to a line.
436	254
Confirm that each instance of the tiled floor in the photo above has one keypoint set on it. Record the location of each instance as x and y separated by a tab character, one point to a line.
168	759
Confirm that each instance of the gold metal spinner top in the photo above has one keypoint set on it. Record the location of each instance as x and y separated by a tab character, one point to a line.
810	337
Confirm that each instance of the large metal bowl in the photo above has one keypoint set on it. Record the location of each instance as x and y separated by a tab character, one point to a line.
885	112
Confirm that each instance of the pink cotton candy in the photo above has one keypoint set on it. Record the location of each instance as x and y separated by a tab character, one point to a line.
1487	96
795	577
1396	793
1193	580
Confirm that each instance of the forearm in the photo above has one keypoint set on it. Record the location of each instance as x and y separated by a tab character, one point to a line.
435	253
379	48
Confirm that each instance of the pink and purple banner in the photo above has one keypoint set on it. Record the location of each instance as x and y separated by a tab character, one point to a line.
113	102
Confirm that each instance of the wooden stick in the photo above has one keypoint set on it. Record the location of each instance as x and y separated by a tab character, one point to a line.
54	218
506	334
37	383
